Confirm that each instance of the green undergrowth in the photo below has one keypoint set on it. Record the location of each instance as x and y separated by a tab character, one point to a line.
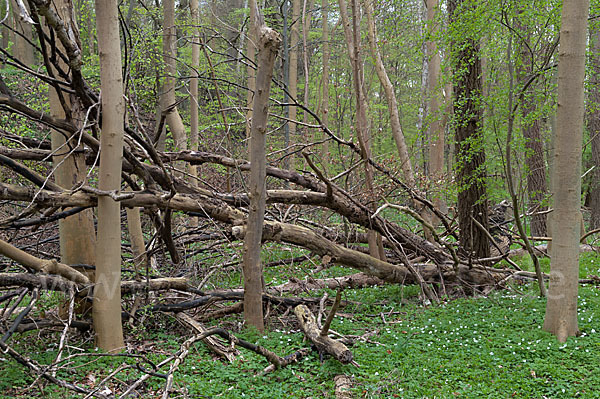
484	347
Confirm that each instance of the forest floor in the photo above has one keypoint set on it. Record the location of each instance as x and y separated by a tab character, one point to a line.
483	347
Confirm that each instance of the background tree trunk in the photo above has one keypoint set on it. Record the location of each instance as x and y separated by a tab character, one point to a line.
5	28
352	34
195	19
268	46
293	74
594	127
390	97
325	77
251	54
168	99
561	308
107	292
136	238
534	157
77	233
306	17
22	49
470	151
436	127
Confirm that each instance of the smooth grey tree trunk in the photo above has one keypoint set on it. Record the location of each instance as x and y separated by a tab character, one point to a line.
561	308
107	292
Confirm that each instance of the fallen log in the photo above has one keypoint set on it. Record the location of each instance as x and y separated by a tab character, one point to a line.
221	312
317	196
276	231
343	384
39	324
542	250
56	283
227	296
356	280
324	344
474	276
43	282
228	353
49	266
353	211
156	284
274	359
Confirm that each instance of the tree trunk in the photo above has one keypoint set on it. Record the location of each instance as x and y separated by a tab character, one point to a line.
390	95
422	139
293	74
285	61
325	77
268	46
306	17
77	234
5	28
594	128
448	115
107	293
195	20
561	308
534	158
90	34
22	49
251	54
470	151
352	34
436	127
136	238
168	99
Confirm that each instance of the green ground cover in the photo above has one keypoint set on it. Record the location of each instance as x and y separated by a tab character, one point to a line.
487	347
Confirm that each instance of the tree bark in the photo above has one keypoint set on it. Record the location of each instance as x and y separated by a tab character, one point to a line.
107	293
436	126
136	238
390	95
324	344
268	46
168	99
293	76
561	308
470	151
534	158
352	34
22	50
193	169
594	128
77	234
251	72
325	77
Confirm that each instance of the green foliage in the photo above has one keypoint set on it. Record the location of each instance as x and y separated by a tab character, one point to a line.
471	348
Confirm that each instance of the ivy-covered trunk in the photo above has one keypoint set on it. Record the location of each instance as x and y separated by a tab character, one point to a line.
470	152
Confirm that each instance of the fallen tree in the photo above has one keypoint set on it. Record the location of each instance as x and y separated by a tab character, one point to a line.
444	268
320	194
